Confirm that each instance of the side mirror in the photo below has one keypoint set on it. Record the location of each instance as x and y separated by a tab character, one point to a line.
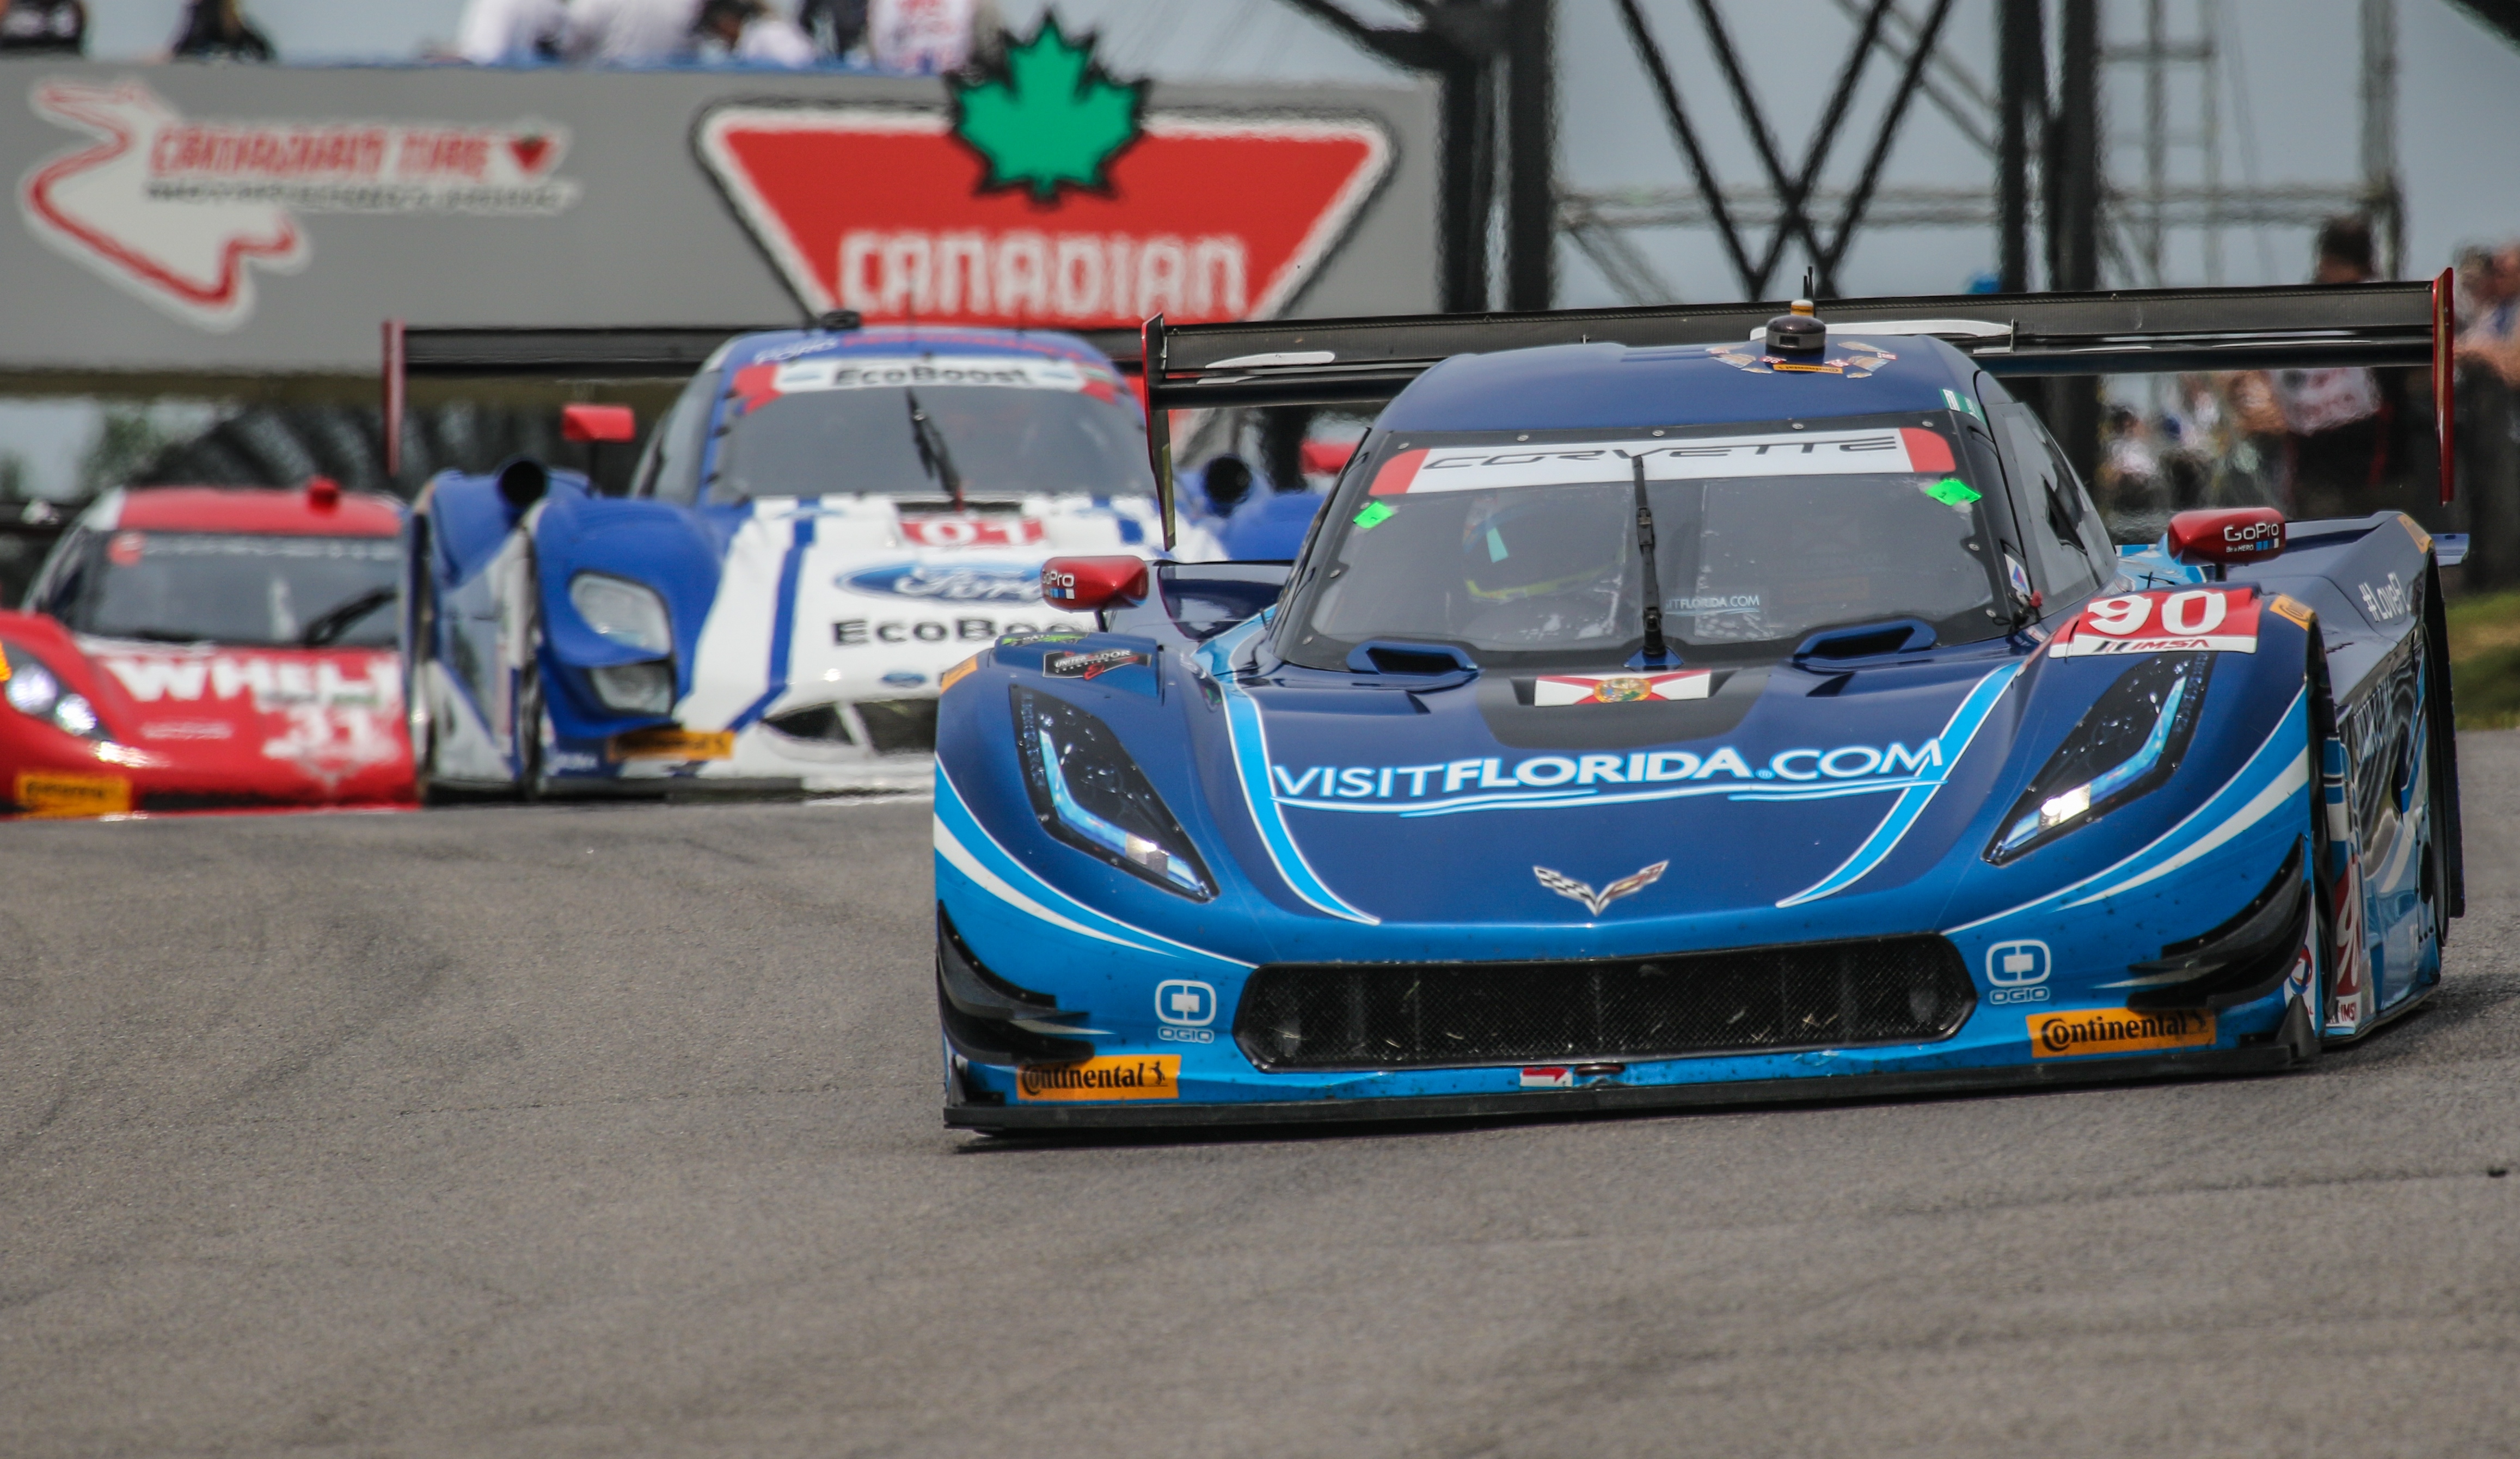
1327	458
1090	584
2224	536
599	423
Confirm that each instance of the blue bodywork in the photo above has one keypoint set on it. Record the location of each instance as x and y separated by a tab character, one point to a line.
1390	821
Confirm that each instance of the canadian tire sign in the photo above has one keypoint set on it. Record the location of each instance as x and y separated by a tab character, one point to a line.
1042	194
876	210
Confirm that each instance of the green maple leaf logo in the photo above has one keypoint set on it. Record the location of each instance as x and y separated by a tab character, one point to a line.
1051	116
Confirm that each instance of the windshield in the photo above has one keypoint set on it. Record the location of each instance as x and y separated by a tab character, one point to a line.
1001	426
232	588
1523	548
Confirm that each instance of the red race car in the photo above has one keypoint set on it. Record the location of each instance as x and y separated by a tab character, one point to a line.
192	647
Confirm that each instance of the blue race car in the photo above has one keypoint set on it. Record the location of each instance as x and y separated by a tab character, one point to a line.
826	522
1670	722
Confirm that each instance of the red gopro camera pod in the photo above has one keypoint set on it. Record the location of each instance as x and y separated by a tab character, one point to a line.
1089	584
2226	535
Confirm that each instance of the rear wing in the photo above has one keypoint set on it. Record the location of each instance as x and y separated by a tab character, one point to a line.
628	352
2131	332
665	353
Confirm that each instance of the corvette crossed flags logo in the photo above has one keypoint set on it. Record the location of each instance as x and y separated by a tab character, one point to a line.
1627	885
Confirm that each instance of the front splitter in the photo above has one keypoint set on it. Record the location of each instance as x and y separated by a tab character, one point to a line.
1610	1097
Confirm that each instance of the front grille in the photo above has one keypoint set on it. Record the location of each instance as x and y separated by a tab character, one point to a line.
899	726
1887	990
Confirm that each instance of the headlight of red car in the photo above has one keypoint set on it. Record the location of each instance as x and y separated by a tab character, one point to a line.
36	692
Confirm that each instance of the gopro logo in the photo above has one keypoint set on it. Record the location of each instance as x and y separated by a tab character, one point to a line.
2017	969
1184	1004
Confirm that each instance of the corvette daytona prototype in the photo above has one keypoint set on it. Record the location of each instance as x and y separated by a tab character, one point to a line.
1677	714
824	521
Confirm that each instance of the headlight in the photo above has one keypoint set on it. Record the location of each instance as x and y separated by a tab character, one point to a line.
623	612
2126	744
1089	794
636	688
33	690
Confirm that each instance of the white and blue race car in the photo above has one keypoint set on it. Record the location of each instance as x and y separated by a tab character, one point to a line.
827	521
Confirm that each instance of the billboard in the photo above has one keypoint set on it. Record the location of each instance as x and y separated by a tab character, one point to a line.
189	218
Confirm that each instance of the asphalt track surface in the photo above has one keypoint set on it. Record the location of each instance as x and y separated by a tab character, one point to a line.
557	1132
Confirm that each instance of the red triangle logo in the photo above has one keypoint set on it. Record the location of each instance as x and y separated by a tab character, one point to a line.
529	152
880	210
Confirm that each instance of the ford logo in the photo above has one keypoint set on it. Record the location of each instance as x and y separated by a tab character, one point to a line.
950	582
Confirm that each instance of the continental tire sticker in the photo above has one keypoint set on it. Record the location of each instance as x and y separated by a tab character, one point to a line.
2118	1030
673	744
1113	1076
54	792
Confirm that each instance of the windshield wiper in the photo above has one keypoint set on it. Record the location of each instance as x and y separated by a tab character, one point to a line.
933	457
336	620
1655	651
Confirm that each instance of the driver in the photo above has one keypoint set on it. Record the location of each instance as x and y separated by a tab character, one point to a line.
1549	564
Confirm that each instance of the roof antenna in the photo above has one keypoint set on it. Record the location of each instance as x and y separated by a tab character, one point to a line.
1809	289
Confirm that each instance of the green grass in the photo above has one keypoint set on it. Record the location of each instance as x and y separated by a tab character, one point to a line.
2484	660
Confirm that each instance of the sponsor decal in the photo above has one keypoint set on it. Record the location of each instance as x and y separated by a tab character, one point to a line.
1961	402
851	632
1041	195
188	729
2017	972
1549	1077
1110	1077
1620	689
335	717
949	582
958	673
671	742
1802	453
1488	782
2285	606
1374	514
2423	540
971	531
904	678
1094	664
63	794
2385	601
182	212
1186	1003
1594	901
2187	620
272	683
1017	638
1860	360
2118	1030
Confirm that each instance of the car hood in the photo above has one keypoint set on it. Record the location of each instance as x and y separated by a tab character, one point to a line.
1479	803
321	724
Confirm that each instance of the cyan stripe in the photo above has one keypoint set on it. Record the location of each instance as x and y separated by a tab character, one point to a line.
1955	741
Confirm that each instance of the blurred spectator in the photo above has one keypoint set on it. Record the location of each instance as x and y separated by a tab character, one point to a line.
496	33
2339	424
218	30
43	28
753	35
2493	339
930	37
629	32
837	26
